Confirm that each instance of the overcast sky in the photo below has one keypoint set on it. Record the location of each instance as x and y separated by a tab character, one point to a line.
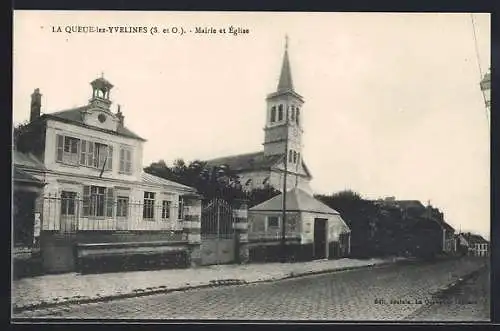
393	105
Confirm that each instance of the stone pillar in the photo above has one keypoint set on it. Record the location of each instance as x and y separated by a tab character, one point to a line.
240	219
191	227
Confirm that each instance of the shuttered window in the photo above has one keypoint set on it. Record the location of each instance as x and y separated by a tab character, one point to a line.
125	160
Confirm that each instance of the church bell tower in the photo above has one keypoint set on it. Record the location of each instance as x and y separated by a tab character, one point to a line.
283	129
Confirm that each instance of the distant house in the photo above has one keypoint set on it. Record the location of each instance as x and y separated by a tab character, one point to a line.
95	196
414	209
313	230
473	244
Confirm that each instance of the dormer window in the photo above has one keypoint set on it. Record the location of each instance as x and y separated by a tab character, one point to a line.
280	113
273	114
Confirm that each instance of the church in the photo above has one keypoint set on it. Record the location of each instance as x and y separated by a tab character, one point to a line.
282	155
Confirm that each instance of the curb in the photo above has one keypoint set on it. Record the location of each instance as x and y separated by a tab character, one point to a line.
56	302
446	290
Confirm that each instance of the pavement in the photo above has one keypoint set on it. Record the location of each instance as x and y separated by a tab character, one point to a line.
466	301
53	290
390	292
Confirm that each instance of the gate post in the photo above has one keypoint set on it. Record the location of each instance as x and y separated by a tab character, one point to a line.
240	224
192	228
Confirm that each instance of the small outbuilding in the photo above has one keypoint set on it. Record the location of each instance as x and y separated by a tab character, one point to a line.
313	230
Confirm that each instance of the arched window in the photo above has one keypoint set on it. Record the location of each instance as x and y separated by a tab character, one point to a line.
280	112
273	114
290	156
294	157
297	115
293	114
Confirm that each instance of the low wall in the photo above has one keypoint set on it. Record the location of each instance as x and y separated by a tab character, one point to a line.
111	251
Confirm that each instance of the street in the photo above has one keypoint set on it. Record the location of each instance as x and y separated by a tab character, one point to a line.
385	293
468	302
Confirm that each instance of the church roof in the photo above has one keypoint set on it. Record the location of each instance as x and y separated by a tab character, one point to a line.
296	200
246	162
75	116
250	162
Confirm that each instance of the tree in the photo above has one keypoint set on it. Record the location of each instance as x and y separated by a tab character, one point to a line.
18	131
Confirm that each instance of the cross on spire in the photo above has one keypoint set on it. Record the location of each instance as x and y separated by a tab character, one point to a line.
286	41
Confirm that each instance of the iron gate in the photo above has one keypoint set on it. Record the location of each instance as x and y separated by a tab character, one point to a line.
217	233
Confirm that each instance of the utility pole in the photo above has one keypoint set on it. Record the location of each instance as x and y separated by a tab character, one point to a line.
283	223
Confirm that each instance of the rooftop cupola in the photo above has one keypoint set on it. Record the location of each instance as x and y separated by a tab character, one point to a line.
100	93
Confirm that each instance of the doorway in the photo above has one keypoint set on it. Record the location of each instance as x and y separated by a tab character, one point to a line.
320	238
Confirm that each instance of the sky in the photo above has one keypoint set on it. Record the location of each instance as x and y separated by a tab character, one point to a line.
393	105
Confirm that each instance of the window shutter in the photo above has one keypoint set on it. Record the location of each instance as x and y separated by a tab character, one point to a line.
109	162
86	200
90	153
122	160
60	146
110	202
128	161
83	153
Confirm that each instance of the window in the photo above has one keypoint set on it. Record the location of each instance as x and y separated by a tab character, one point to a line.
67	149
280	112
181	209
165	210
290	156
273	114
293	114
98	201
94	155
298	157
297	115
125	160
273	221
149	203
68	203
122	207
294	157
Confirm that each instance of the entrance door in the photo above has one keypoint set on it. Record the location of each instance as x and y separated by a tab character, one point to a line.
320	238
68	212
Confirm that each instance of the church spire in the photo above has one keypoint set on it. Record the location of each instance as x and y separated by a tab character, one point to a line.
285	82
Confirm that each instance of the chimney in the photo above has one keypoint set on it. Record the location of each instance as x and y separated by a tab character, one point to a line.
36	105
120	117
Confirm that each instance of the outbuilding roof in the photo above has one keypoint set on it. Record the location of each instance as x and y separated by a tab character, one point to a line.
296	200
155	180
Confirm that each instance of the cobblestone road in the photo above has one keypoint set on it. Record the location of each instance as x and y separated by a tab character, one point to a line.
350	295
468	302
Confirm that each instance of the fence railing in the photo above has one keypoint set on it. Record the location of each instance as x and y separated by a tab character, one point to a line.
71	213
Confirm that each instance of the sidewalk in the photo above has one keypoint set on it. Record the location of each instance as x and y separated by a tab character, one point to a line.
51	290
